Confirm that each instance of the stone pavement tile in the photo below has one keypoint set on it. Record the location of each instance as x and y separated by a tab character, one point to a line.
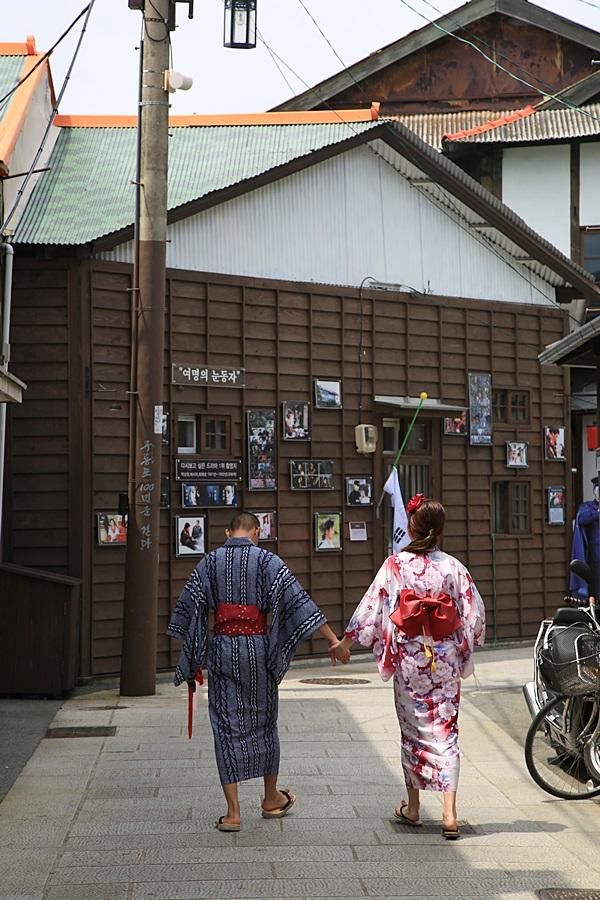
45	831
387	749
489	885
323	807
395	870
73	715
311	888
149	872
152	752
292	735
504	838
470	856
584	816
87	858
124	791
133	816
177	855
87	892
25	871
374	768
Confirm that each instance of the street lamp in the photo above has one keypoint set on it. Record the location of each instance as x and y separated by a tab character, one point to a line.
240	24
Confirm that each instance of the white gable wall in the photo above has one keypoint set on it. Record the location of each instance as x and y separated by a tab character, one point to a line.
589	201
341	220
536	183
26	146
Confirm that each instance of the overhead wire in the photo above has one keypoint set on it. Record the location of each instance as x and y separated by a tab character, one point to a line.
53	113
457	217
589	3
44	56
278	67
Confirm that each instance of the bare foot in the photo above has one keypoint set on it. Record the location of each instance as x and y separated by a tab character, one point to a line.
277	802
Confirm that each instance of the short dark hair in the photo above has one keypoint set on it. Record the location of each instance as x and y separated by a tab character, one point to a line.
244	521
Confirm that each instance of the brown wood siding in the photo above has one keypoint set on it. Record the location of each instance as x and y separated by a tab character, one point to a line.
38	490
449	75
68	442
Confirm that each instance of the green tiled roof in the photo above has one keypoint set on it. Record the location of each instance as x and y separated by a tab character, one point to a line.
88	192
10	69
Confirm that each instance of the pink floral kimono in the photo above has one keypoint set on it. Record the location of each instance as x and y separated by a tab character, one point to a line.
426	697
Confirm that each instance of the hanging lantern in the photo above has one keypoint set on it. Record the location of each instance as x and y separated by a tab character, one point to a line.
240	24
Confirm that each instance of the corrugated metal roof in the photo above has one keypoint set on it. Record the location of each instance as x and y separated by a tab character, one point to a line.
10	69
544	125
88	191
431	127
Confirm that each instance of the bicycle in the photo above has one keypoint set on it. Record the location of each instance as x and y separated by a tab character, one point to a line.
562	746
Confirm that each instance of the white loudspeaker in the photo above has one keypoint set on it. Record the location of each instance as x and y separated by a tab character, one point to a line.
365	437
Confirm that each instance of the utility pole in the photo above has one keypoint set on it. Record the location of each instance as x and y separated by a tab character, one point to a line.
138	668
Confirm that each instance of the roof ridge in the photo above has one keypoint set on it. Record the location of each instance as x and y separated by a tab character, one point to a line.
491	124
16	48
310	117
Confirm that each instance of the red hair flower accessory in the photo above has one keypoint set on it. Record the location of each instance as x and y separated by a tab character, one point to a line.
414	503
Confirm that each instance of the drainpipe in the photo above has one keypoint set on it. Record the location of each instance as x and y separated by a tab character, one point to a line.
4	360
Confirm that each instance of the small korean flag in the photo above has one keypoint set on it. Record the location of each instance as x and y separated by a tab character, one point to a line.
392	487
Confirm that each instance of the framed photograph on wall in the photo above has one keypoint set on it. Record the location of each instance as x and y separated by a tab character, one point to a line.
328	393
268	525
311	474
190	535
554	442
359	490
194	496
295	420
555	505
456	424
262	450
517	454
328	531
480	408
111	529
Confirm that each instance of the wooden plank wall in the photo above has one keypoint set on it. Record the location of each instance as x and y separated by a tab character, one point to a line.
284	335
37	473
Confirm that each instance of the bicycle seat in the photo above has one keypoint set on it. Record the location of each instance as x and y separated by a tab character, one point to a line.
570	615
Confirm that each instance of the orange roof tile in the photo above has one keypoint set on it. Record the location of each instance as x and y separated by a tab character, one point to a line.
17	49
318	117
491	124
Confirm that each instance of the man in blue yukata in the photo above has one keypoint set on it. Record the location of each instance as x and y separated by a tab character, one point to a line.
261	614
586	546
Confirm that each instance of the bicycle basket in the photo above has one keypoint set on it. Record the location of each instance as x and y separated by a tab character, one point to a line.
587	647
559	659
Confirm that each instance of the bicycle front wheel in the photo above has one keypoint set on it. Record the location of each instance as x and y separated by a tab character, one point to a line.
553	754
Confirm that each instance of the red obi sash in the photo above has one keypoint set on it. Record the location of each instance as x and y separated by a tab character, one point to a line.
232	619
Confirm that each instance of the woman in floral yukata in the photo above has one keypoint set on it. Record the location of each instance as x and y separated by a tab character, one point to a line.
426	686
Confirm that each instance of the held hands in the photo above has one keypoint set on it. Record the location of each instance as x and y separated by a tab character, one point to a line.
339	652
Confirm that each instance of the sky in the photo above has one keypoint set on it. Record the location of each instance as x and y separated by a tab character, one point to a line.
105	77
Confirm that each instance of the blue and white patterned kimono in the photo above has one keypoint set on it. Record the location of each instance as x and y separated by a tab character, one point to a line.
243	671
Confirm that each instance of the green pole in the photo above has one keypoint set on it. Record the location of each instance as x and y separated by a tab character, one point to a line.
422	399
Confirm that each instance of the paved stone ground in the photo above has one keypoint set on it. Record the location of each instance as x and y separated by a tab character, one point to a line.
23	724
130	817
